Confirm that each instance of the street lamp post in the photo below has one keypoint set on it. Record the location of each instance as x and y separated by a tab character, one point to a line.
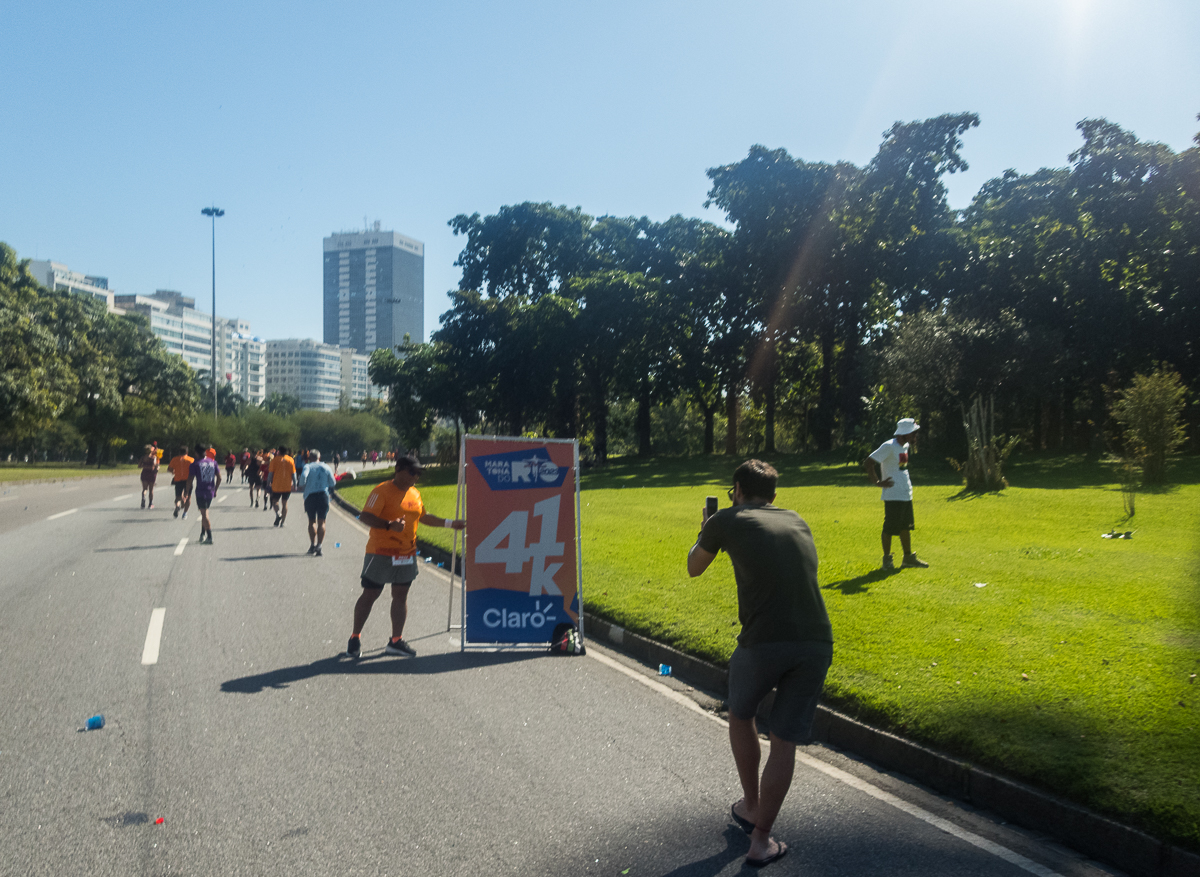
214	212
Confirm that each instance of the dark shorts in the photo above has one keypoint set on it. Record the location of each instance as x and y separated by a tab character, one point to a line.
202	501
180	489
897	516
380	569
255	478
796	670
316	506
148	478
282	494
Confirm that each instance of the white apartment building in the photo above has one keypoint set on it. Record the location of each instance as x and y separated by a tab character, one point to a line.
307	369
356	380
187	332
54	275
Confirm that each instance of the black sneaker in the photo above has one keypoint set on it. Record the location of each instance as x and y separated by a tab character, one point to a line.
354	647
911	561
276	524
400	647
318	552
312	549
176	514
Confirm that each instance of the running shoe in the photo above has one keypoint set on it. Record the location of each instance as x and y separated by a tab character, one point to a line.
176	512
185	514
400	647
276	524
150	506
354	647
143	502
911	561
312	549
318	552
888	563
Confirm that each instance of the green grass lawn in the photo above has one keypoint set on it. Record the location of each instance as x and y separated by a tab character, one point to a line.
1072	668
39	471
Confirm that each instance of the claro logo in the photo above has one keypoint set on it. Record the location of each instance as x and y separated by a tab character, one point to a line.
511	618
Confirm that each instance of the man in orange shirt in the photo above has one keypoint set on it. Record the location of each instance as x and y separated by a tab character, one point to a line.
180	465
392	511
283	474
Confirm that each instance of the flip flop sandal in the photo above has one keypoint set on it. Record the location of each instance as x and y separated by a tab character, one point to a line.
743	823
779	854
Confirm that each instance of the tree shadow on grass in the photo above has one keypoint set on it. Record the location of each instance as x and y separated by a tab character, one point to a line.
373	664
858	584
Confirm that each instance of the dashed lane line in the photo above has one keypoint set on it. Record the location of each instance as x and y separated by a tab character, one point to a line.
121	497
223	498
182	544
854	782
62	514
153	636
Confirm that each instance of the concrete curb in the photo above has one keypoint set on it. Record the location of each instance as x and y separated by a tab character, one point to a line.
1089	833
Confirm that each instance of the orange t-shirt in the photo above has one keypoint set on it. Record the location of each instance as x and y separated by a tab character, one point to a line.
179	467
282	470
387	502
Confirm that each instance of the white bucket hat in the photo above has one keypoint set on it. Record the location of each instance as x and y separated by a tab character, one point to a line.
906	426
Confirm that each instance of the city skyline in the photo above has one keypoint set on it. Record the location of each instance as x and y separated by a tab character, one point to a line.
421	113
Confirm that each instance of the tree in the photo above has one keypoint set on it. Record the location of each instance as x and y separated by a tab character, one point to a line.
282	404
36	383
1150	411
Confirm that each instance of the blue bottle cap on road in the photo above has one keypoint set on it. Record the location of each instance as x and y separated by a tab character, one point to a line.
664	669
95	723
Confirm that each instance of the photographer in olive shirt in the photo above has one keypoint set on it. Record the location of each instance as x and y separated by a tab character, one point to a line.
786	642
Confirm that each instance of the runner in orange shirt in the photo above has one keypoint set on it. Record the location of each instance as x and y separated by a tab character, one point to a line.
392	511
180	465
283	477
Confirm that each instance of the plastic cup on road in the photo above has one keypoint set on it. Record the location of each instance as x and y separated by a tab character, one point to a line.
95	723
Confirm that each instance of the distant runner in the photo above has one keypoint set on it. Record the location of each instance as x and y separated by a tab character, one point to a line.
252	472
180	466
317	479
149	464
244	462
204	478
283	476
230	462
392	512
264	470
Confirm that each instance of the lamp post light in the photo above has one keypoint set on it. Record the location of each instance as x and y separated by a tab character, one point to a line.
214	212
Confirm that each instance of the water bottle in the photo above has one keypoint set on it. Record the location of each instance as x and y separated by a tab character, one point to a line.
95	723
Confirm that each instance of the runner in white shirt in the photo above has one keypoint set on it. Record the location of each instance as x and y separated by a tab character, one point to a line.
317	480
892	458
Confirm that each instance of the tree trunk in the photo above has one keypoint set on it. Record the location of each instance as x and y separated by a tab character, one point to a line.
770	416
643	419
823	425
600	435
731	420
709	439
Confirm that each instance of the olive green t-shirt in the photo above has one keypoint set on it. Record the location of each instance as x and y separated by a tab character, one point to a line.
775	566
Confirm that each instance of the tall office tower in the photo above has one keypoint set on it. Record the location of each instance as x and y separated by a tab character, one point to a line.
374	289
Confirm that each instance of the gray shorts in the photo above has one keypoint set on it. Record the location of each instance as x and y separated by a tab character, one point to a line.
381	569
795	669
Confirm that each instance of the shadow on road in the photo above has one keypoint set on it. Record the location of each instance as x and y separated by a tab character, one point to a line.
296	555
379	663
736	845
133	548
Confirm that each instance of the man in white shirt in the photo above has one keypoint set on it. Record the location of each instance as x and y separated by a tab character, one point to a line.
892	458
317	480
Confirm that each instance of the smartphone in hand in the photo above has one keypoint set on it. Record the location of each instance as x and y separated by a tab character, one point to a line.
710	507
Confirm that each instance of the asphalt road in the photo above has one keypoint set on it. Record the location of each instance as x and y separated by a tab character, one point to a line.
264	752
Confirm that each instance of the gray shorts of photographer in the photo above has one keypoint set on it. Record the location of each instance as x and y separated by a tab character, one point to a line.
795	669
382	569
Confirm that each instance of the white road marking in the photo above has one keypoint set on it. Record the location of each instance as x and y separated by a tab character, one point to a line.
153	636
121	497
849	779
182	544
8	498
62	514
223	498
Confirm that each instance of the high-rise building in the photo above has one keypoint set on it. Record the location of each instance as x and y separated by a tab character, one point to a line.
374	289
54	275
356	379
307	369
187	332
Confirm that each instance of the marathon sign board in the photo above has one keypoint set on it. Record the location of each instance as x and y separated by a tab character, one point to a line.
521	560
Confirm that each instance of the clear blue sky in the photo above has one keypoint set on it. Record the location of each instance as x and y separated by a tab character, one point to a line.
123	120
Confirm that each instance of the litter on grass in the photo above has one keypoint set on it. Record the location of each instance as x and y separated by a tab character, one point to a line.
1113	534
981	584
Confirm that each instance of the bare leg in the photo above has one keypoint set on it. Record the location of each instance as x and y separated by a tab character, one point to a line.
776	780
743	740
312	532
906	542
399	609
283	514
362	609
887	543
320	530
